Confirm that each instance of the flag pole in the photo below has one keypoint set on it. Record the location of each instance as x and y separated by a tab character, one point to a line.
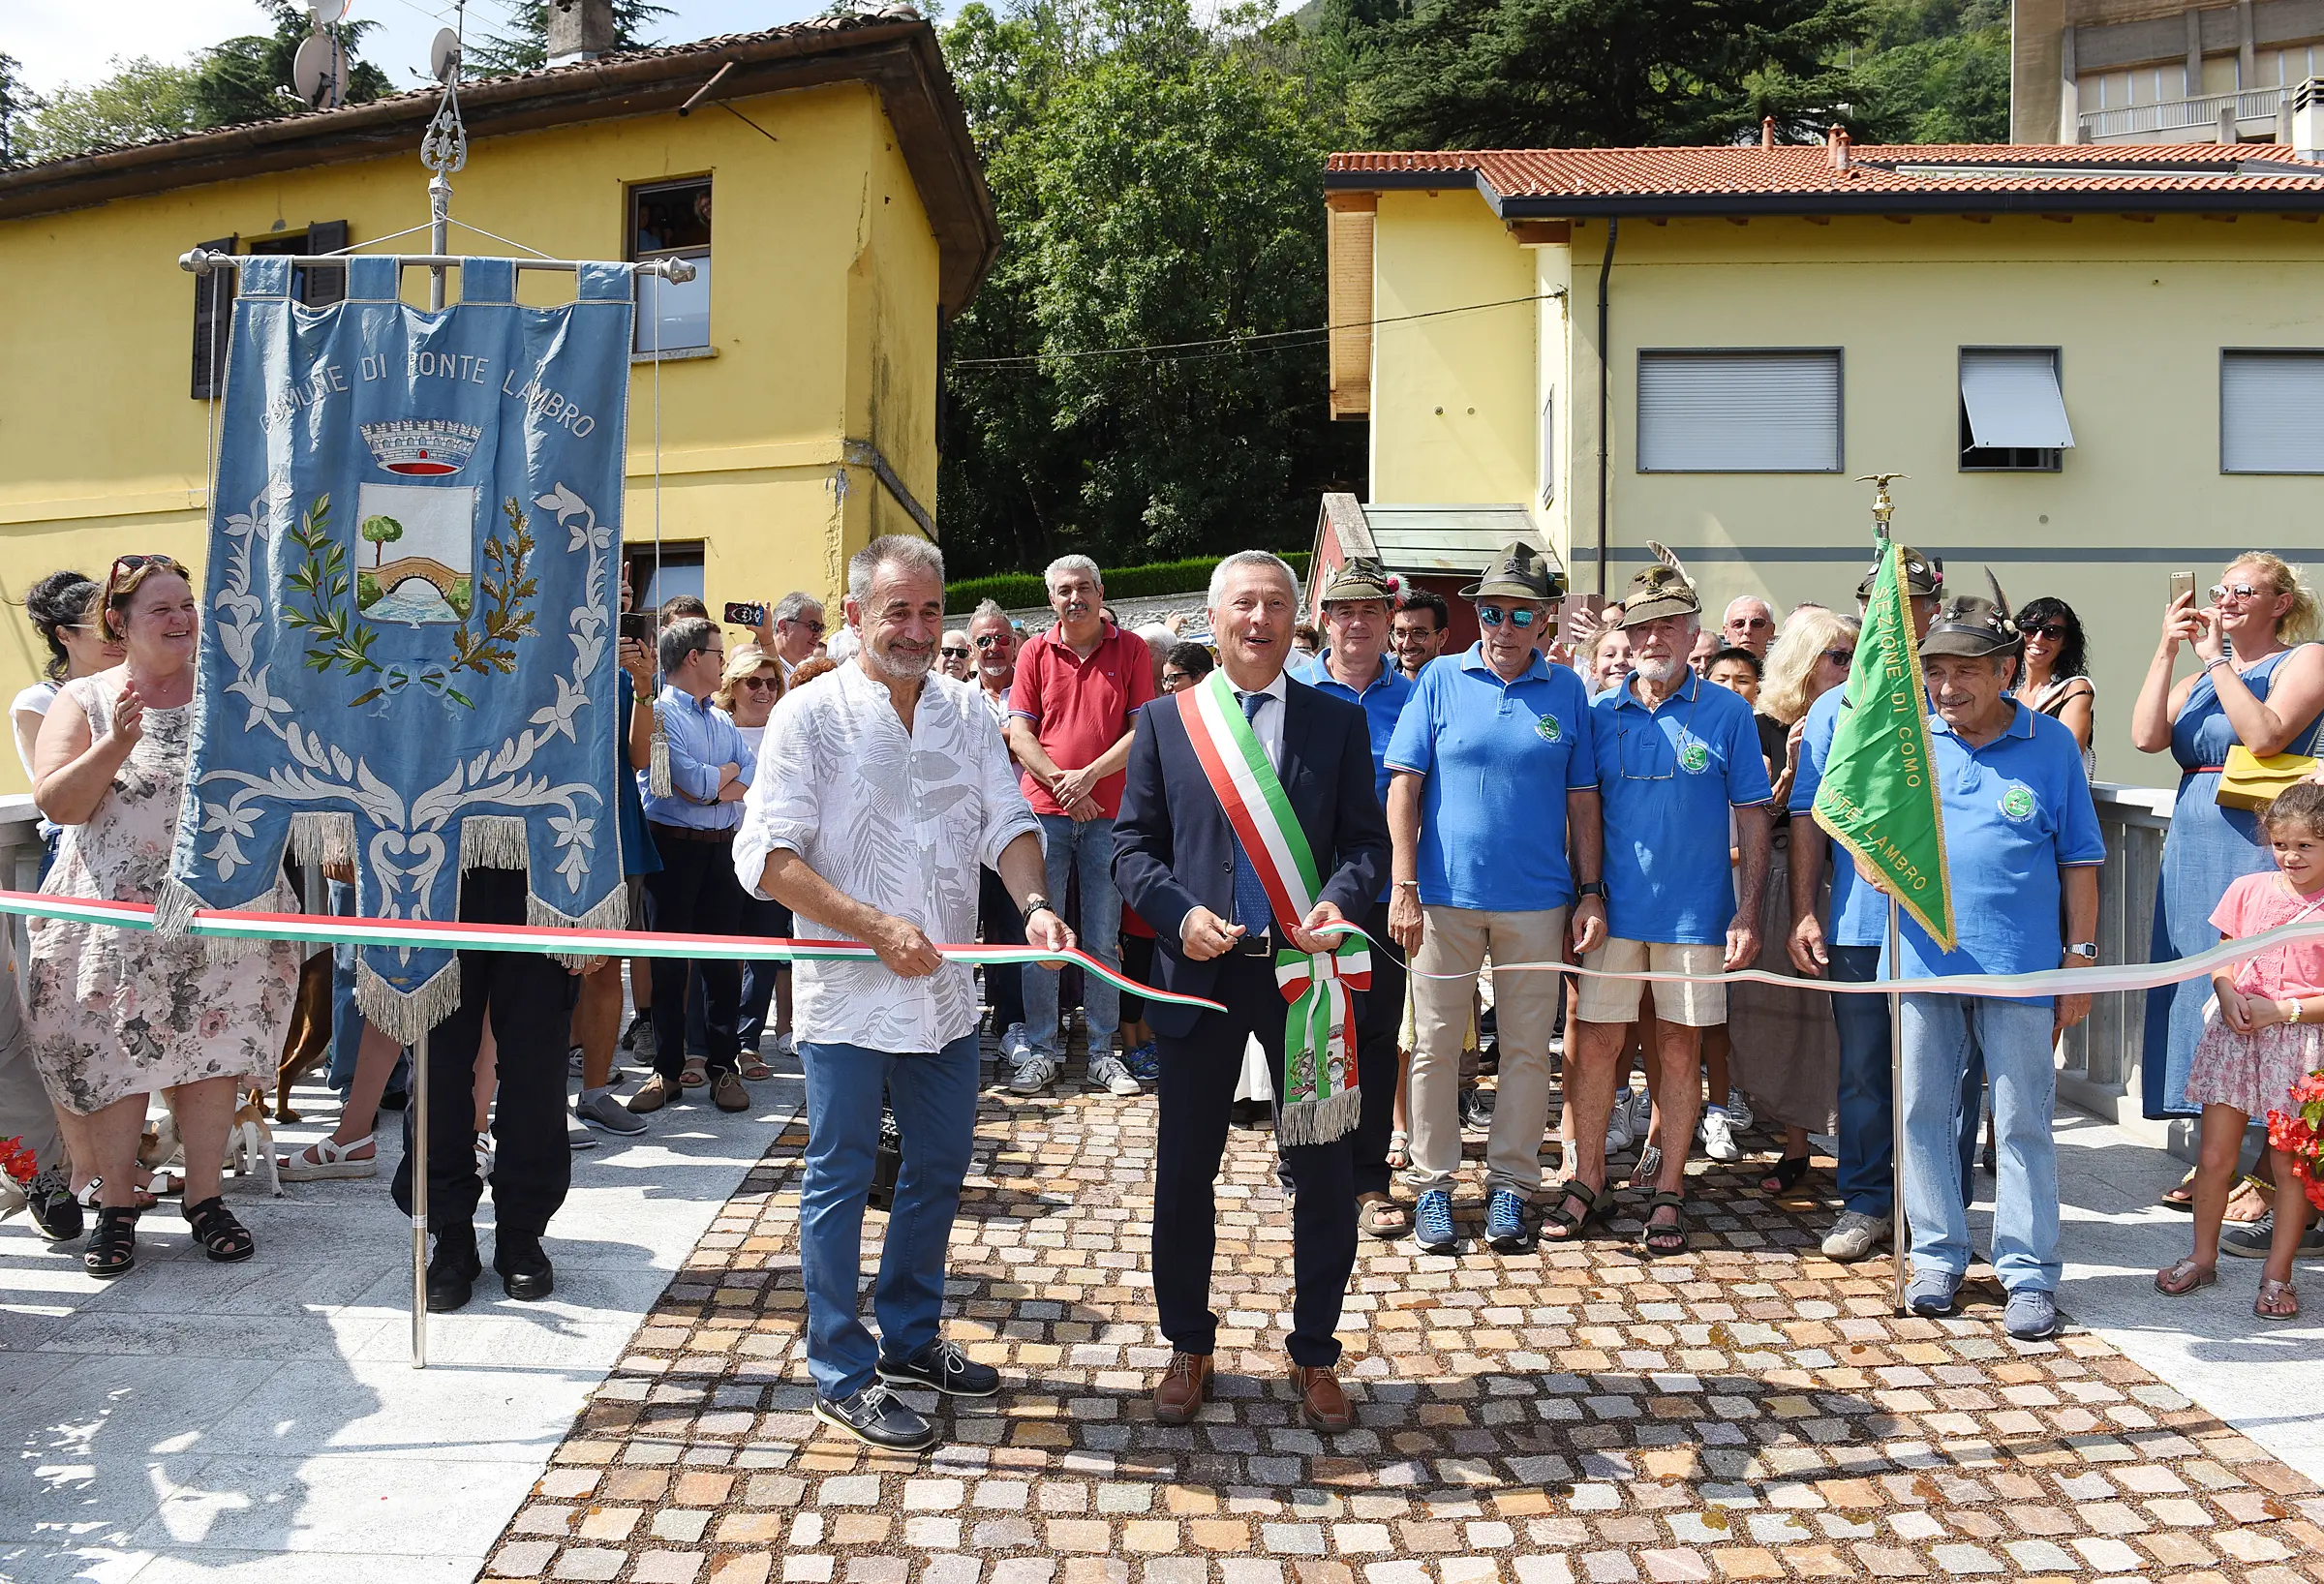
1896	1100
418	1112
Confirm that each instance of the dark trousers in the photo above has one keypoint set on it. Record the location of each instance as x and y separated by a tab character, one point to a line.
694	893
530	999
1379	1064
1867	1096
758	977
1197	1088
1002	926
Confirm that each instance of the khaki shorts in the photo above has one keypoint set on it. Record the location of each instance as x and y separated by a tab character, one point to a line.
1616	1000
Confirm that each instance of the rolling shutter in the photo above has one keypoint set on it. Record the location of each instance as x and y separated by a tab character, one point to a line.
1739	412
321	284
2272	412
2014	399
213	318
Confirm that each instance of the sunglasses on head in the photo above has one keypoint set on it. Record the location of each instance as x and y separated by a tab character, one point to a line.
1492	616
131	563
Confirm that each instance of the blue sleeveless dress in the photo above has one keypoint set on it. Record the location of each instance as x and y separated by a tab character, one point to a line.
2207	847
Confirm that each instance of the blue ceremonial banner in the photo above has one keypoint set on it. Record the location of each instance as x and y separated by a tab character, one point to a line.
406	649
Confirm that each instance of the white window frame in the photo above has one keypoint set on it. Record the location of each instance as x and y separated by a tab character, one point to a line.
1673	355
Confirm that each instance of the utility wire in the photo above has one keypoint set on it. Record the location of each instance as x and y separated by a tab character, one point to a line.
1240	343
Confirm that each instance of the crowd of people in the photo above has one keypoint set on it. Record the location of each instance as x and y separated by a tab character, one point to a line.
1622	790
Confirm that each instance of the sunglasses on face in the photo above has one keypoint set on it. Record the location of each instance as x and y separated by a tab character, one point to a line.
1754	624
758	684
1841	657
954	653
988	640
2241	590
2054	631
806	621
1492	616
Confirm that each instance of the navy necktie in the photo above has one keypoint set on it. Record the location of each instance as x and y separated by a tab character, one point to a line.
1252	910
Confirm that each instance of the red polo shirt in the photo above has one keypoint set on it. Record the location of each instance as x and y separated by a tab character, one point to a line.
1080	708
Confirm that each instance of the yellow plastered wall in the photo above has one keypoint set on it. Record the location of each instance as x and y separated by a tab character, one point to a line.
2139	312
823	319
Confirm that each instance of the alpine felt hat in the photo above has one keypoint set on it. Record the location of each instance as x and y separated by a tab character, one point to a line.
1518	571
1972	626
1362	577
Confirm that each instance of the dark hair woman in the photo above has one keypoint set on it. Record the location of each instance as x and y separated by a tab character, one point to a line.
59	605
2052	679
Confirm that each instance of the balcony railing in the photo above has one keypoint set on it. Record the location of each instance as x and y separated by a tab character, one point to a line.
2178	115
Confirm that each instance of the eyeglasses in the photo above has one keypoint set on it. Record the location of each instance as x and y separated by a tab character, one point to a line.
954	653
2054	631
1754	624
1492	616
809	622
760	683
1653	735
988	639
1841	657
2241	590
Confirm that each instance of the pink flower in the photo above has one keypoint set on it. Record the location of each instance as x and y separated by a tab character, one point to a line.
213	1022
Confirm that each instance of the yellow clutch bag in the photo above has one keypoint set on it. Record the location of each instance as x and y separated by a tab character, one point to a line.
2248	782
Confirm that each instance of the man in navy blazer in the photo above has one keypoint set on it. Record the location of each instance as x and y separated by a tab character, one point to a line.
1174	859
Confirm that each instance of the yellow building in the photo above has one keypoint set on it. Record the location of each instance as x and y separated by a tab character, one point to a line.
822	181
2096	367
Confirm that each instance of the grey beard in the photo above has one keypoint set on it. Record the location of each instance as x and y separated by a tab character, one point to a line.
1659	672
901	667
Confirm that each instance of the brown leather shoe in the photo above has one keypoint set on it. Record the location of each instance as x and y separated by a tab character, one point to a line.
653	1094
1322	1403
727	1091
1184	1386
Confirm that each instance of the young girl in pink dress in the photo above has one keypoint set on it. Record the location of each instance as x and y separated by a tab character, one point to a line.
2266	1034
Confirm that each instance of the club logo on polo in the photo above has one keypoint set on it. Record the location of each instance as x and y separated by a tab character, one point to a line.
2017	803
1546	728
1694	758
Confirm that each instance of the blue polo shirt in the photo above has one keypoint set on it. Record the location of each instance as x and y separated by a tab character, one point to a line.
1383	701
2015	811
1859	912
1666	779
1494	758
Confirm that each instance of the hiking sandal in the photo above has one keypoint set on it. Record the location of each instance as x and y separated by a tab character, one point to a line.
2183	1277
1655	1239
1569	1225
1785	1175
225	1239
112	1248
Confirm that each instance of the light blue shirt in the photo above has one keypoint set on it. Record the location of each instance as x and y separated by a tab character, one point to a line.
1666	778
1859	912
1496	759
2016	810
1383	701
700	738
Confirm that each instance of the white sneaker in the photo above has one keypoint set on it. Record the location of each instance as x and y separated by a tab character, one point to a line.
1717	1131
1034	1072
1739	1112
786	1045
1109	1073
1854	1235
1013	1045
484	1156
1618	1135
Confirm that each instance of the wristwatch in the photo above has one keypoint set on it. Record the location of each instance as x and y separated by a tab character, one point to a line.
1036	903
1591	888
2084	948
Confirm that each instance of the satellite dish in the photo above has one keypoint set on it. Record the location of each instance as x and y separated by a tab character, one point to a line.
443	55
318	71
326	11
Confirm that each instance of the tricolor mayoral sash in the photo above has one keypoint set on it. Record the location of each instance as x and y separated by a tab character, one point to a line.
406	656
1321	1101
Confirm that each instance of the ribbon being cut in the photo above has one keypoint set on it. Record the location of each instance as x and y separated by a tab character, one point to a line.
407	653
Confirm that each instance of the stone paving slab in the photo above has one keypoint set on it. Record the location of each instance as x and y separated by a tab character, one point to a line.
1749	1411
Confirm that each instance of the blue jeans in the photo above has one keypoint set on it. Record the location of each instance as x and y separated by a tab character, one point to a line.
1943	1035
1867	1126
1083	847
934	1096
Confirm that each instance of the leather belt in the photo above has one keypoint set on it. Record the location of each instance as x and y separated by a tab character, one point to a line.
688	833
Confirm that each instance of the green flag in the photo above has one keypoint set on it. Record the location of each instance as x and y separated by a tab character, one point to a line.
1878	798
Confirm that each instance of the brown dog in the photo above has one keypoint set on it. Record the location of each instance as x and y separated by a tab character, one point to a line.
309	1039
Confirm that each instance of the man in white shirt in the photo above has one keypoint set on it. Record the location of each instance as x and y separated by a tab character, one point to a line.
878	796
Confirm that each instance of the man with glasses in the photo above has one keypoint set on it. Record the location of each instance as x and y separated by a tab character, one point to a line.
1675	757
1480	843
953	650
1072	712
695	891
798	628
1748	623
1417	633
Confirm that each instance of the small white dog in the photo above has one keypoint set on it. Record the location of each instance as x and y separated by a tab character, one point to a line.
249	1144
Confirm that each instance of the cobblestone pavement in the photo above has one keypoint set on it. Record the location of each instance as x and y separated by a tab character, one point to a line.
1749	1411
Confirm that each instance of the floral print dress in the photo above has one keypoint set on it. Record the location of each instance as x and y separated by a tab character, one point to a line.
115	1013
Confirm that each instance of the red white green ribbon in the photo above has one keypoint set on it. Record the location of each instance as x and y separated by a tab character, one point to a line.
327	929
1321	1099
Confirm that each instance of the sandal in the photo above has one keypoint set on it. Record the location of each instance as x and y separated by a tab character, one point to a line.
1567	1225
112	1248
1656	1240
145	1198
1399	1153
2183	1277
2276	1301
754	1069
1383	1217
327	1158
2248	1200
694	1073
2183	1197
1785	1175
225	1239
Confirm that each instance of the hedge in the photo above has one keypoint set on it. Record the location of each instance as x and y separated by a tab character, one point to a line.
1017	590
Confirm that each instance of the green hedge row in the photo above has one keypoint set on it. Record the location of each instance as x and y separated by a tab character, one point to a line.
1015	591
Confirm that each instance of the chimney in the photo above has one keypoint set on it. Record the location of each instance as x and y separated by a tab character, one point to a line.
2308	120
1837	143
1766	131
579	30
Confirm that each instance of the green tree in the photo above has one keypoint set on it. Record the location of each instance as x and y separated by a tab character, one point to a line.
248	78
1934	72
525	46
1563	73
1159	188
143	99
17	103
381	531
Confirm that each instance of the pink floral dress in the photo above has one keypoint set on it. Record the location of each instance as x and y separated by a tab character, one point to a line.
115	1013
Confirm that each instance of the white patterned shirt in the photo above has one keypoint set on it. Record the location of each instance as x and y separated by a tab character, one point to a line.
898	823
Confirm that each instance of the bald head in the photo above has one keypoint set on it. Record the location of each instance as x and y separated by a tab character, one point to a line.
1748	623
